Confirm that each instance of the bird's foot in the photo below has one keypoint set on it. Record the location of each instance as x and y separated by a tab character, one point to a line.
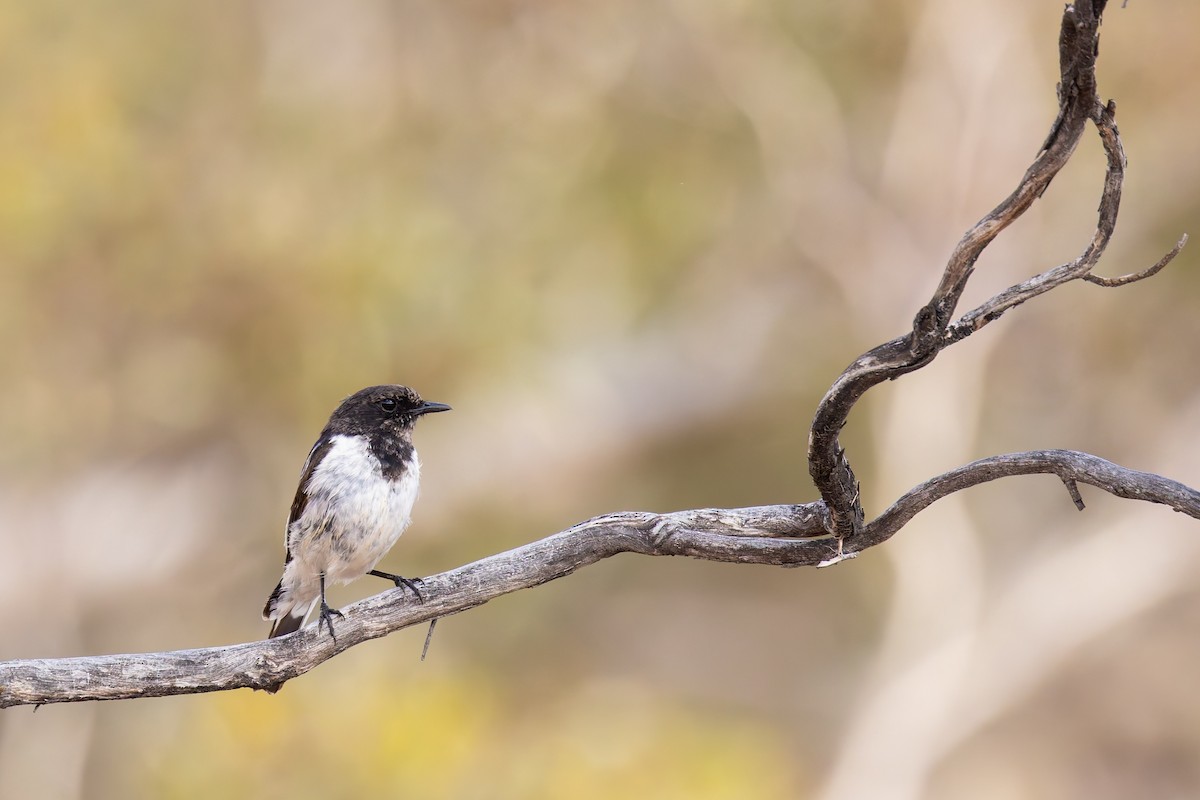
412	584
326	619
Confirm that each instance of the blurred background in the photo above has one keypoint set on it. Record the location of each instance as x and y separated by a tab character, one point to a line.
632	243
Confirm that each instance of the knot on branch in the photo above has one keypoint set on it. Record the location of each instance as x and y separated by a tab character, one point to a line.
929	325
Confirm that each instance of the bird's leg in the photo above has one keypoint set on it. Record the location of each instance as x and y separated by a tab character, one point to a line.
409	583
327	613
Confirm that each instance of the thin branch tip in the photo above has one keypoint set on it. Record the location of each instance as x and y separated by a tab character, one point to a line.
1073	490
1134	277
845	555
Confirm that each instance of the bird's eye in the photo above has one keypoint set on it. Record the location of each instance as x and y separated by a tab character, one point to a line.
388	405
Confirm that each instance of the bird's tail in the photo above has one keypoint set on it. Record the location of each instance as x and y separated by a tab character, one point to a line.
285	616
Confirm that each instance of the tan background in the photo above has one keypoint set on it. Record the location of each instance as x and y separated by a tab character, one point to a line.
631	243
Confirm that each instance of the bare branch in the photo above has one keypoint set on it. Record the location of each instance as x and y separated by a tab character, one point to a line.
812	534
1081	267
1073	489
1134	277
1079	104
748	535
777	535
1069	465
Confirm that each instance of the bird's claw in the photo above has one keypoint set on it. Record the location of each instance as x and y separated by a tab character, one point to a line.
412	584
326	619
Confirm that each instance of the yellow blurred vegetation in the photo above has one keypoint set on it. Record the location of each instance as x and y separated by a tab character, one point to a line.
459	734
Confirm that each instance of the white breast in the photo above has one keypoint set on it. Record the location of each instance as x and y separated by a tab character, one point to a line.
353	515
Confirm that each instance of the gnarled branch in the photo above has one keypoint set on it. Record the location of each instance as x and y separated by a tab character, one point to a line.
762	535
810	534
933	327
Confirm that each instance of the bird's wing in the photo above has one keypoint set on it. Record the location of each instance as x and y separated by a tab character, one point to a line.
315	456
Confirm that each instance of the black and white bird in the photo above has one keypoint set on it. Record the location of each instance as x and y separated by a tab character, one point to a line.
355	498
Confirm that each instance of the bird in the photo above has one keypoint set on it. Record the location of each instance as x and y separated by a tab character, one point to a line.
355	498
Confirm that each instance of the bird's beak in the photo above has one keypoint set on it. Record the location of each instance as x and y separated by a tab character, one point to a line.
430	408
